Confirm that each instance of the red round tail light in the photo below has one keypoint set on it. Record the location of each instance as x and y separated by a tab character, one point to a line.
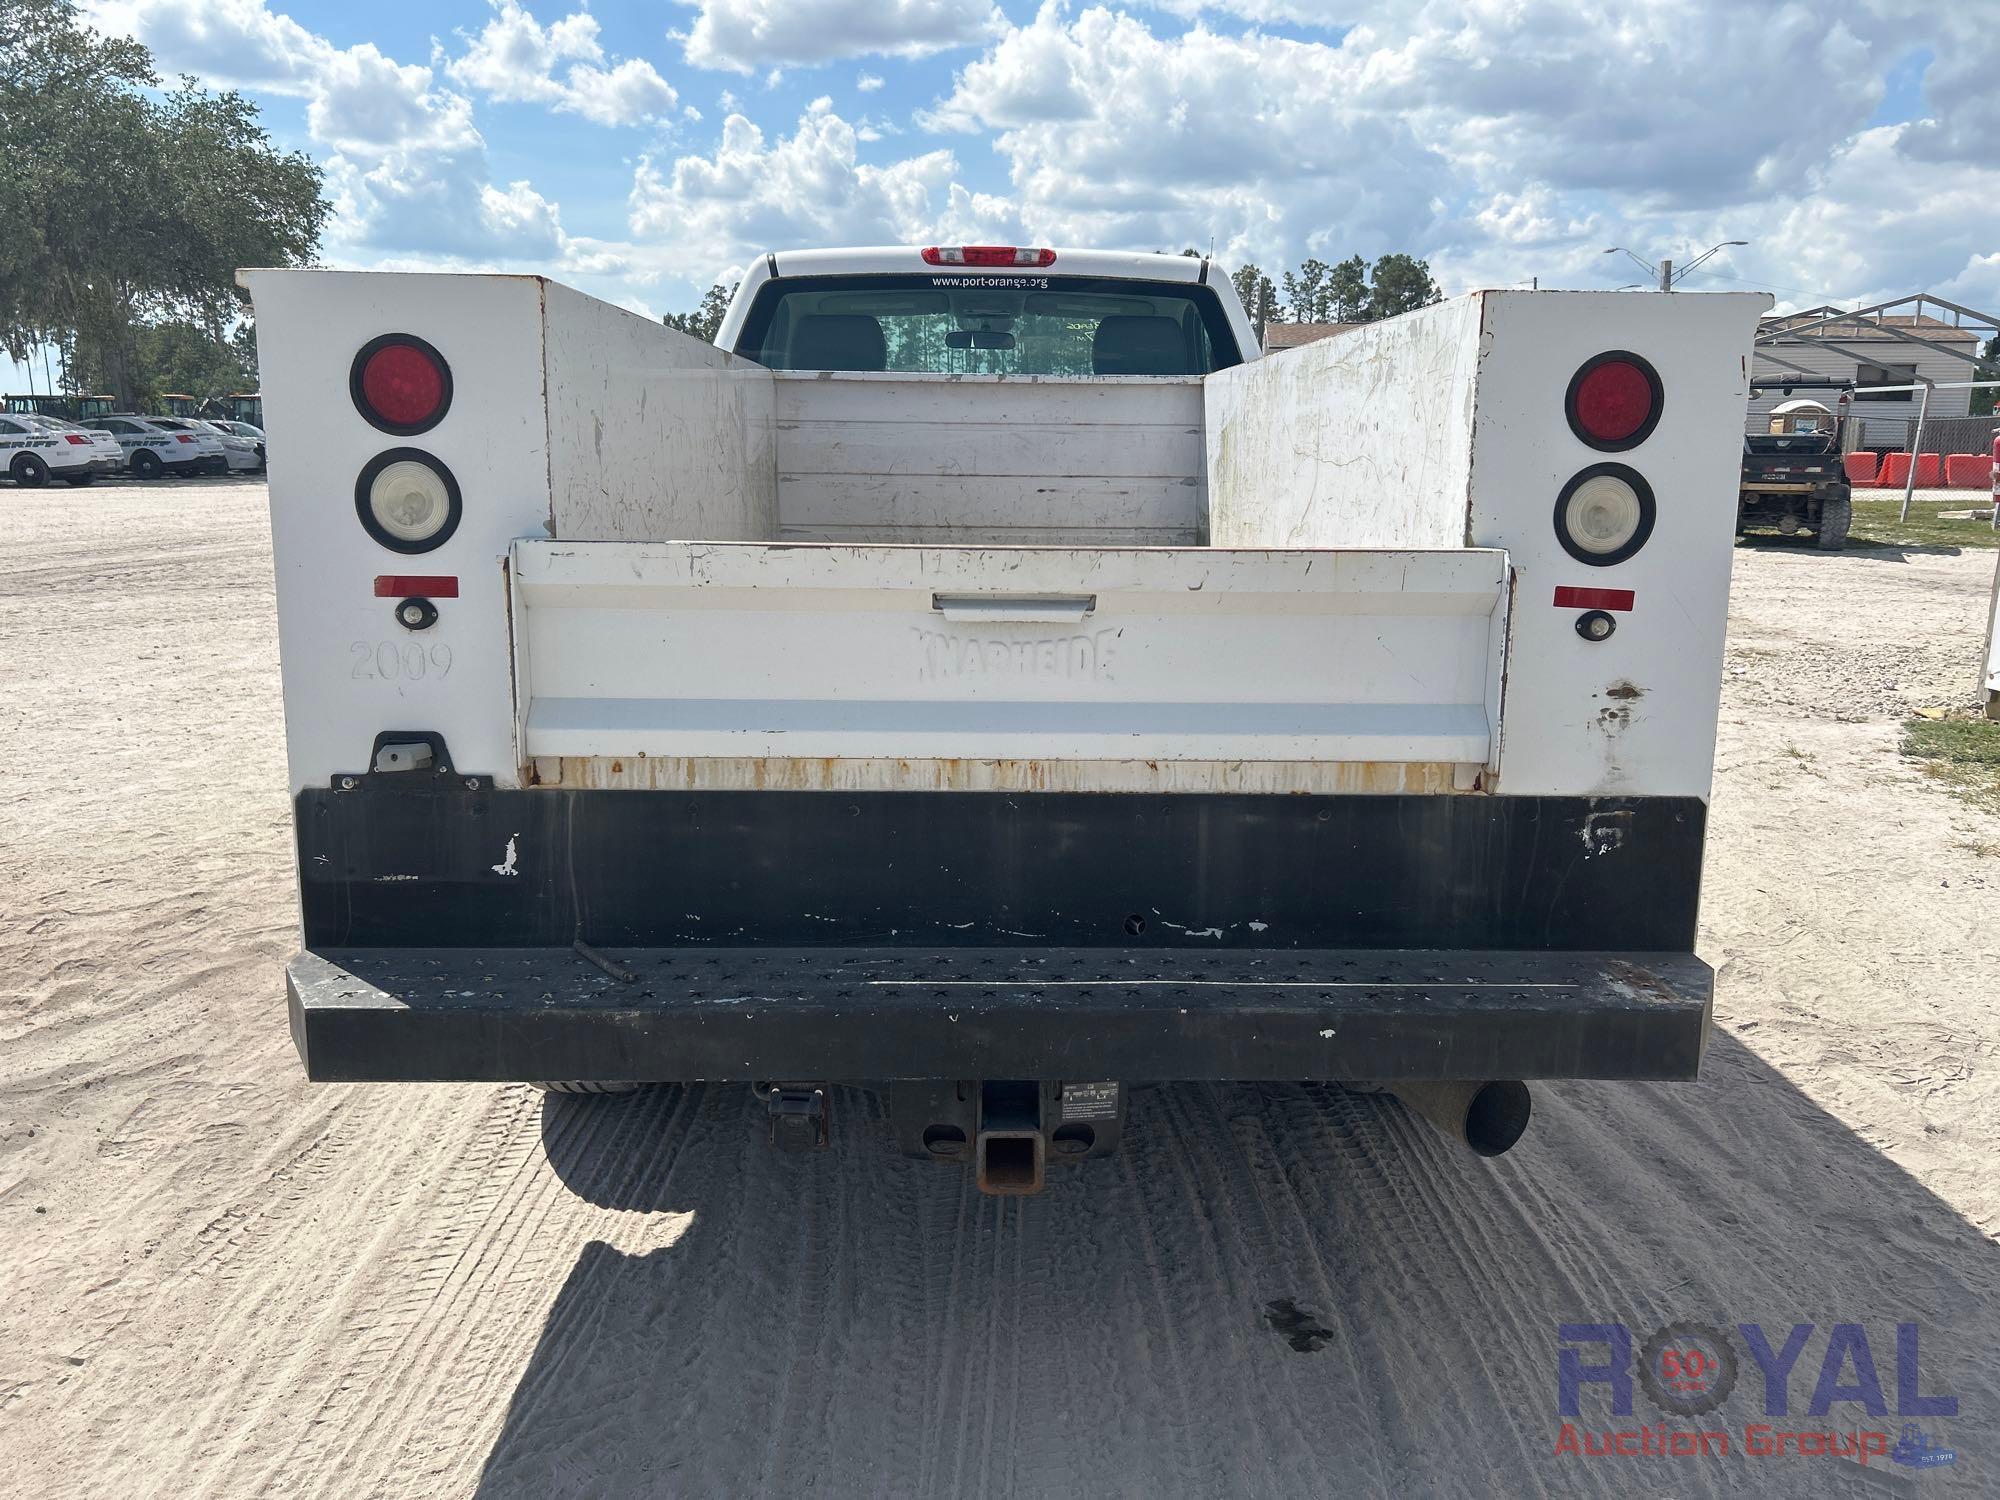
1614	401
400	384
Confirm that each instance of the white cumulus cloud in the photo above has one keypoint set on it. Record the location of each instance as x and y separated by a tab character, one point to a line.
406	167
746	35
753	193
515	59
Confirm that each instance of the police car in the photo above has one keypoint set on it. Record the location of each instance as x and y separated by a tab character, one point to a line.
215	452
254	434
35	449
244	456
106	456
152	450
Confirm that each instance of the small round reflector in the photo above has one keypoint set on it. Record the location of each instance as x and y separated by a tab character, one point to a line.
1614	401
400	384
1604	514
407	500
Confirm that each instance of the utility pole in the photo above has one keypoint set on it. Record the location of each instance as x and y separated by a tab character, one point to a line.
1666	276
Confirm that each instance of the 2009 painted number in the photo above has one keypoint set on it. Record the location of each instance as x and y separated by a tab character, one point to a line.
400	661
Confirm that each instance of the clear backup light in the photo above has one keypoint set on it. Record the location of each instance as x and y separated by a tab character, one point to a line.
1614	401
407	500
400	384
1604	514
987	255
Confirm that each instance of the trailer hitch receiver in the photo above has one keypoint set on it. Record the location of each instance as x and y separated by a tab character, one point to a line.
799	1115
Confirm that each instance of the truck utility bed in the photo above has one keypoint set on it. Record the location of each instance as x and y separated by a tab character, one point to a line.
1346	714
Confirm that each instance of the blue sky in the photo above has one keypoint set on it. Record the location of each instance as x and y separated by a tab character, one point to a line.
641	150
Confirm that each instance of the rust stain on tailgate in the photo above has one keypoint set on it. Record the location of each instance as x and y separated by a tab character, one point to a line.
816	774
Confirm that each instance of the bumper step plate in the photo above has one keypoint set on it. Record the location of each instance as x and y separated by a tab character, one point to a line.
874	1015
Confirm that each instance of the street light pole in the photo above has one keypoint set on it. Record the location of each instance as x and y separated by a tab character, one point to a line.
1669	278
1650	268
1693	264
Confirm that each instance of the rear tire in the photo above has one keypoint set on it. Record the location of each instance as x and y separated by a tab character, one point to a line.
28	471
577	1086
1835	516
146	464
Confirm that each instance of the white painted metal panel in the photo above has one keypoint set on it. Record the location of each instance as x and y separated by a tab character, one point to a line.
1004	654
990	459
998	510
350	671
1634	714
653	433
1363	440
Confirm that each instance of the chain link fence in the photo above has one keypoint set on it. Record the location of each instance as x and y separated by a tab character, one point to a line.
1941	435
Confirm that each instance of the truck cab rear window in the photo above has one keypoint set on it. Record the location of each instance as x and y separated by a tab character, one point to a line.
970	324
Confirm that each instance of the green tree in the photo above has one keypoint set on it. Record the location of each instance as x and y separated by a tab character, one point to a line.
1347	291
1400	284
175	355
703	322
1306	294
1259	298
1983	402
127	206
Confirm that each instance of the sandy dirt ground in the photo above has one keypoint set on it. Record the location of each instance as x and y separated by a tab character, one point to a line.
221	1281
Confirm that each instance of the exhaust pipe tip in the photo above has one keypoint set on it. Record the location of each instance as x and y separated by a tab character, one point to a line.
1486	1116
1498	1116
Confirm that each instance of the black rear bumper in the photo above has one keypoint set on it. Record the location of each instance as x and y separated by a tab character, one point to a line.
1137	1015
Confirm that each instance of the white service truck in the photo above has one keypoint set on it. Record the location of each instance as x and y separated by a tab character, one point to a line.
980	676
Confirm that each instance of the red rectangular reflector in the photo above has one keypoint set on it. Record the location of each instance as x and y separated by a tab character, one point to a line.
1574	598
423	585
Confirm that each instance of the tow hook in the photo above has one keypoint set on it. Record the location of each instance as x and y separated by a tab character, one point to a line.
799	1113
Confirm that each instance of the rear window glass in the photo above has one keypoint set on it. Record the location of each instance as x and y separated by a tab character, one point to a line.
988	325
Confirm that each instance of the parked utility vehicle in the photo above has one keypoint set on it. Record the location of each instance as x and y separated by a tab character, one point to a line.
1793	478
982	678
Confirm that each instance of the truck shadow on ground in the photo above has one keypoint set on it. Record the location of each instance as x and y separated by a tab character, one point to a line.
1859	549
853	1322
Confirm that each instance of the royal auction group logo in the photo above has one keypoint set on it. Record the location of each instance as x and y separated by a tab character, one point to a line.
1688	1370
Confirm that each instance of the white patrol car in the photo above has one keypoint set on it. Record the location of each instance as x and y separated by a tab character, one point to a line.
152	450
106	456
214	452
254	434
240	452
35	449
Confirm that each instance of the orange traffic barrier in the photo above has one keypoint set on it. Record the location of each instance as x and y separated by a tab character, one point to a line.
1860	467
1967	471
1895	471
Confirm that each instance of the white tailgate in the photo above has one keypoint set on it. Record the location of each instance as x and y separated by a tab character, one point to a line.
691	650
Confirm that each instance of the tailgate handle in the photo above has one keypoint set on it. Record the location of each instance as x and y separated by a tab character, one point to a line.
1027	609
